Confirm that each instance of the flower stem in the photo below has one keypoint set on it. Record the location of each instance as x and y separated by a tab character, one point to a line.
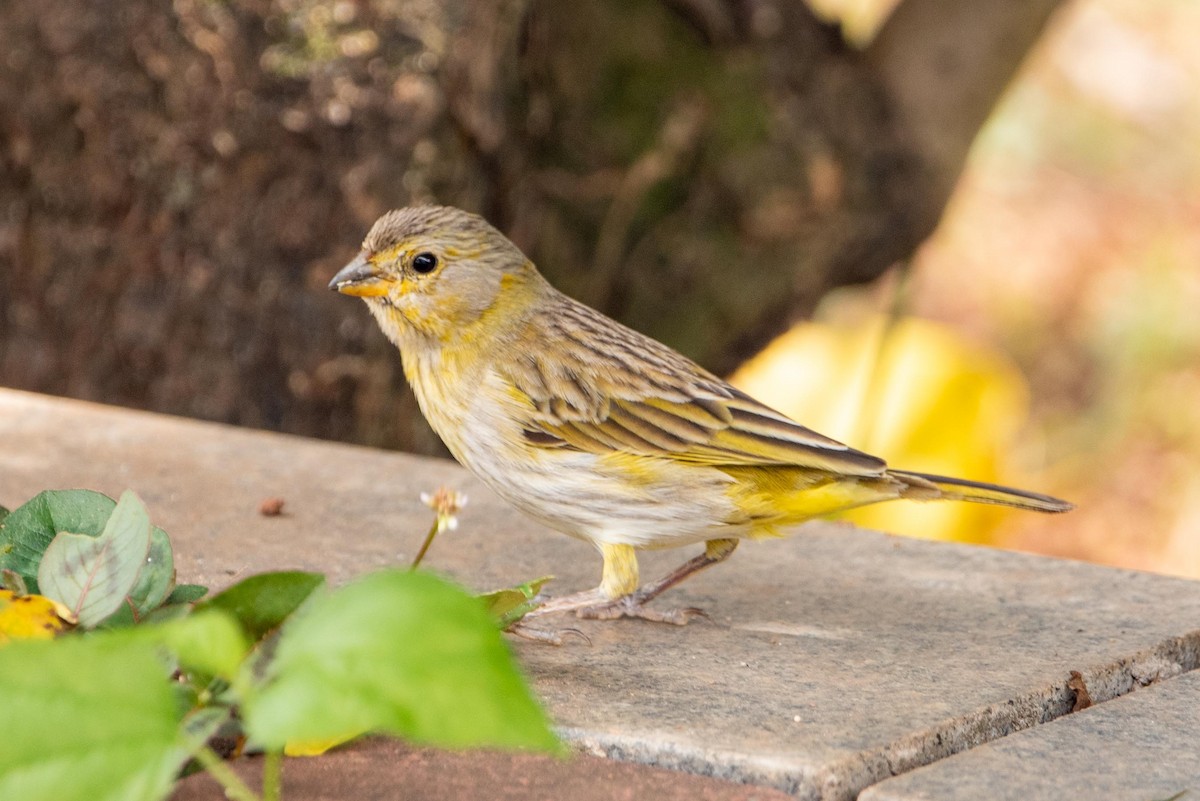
433	532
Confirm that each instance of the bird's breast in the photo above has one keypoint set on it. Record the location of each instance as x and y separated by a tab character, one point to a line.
638	500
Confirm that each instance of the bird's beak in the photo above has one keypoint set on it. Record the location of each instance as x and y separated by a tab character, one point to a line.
360	278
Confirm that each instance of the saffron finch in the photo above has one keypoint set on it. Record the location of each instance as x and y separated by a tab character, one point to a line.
594	429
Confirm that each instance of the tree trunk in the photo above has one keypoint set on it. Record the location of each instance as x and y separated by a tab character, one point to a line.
178	180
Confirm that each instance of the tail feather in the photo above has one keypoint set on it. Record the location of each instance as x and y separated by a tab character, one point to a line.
922	486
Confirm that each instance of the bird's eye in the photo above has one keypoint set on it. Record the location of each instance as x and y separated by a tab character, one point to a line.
424	262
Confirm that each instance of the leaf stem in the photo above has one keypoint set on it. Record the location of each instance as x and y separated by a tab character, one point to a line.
235	788
272	775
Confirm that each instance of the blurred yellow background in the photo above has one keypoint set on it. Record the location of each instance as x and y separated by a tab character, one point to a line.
1048	335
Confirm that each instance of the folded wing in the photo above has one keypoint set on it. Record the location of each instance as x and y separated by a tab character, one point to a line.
610	389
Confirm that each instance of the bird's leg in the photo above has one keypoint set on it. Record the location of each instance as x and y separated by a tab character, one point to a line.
633	603
545	636
619	578
569	603
714	551
555	636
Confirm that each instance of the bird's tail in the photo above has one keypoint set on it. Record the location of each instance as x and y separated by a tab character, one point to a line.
922	486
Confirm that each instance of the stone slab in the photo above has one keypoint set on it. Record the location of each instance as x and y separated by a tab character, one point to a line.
389	770
833	660
1142	746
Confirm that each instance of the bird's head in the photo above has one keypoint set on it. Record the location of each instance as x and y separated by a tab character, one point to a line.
435	271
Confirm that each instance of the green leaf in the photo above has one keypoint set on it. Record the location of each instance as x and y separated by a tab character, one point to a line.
92	576
511	604
29	530
187	594
399	652
3	514
154	585
261	603
163	614
158	575
31	527
14	582
96	720
210	642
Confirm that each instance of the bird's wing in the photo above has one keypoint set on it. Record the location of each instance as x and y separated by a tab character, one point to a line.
609	389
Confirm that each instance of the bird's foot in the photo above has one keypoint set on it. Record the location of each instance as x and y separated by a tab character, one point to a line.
545	636
568	603
635	606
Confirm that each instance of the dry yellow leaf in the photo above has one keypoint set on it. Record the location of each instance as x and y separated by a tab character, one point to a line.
31	617
309	748
915	393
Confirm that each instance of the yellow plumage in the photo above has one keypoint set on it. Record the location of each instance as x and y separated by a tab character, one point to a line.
597	430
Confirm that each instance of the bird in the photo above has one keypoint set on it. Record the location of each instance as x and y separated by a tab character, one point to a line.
596	430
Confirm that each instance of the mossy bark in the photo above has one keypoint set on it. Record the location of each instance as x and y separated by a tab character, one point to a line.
178	180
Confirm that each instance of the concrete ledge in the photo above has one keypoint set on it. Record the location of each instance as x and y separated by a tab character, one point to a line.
1142	746
834	659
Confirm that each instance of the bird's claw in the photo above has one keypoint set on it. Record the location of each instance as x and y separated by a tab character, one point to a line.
632	606
546	636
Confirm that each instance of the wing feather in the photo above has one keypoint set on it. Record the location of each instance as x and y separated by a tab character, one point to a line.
613	390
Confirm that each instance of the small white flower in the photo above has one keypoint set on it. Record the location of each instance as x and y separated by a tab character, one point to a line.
446	503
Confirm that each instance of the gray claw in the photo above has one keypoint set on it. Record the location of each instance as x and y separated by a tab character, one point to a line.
546	636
